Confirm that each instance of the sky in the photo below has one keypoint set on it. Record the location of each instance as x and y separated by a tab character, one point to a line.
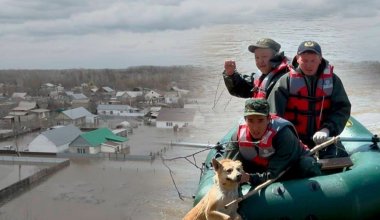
43	34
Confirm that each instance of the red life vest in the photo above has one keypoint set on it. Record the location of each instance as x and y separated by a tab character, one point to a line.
261	85
259	152
305	109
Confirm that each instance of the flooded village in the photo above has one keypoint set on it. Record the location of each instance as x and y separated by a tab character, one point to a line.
91	123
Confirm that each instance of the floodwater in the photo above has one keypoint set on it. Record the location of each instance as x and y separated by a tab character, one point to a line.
103	189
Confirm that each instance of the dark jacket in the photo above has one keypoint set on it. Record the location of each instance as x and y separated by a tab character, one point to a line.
287	151
242	85
338	114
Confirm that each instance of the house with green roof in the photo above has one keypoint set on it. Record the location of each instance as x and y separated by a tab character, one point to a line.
99	140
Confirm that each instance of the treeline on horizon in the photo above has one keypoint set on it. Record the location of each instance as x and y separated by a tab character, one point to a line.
157	77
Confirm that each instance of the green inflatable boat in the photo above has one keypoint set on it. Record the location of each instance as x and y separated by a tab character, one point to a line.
349	193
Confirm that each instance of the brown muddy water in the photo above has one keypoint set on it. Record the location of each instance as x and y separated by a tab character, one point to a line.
102	189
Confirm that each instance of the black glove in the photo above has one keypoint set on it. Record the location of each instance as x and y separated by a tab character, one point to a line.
258	178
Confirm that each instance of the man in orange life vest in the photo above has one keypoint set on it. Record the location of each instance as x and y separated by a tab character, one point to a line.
271	63
313	98
267	145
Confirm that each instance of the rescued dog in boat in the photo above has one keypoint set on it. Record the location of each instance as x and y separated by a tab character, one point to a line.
228	174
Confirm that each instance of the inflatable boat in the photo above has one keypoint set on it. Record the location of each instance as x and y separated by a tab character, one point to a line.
347	193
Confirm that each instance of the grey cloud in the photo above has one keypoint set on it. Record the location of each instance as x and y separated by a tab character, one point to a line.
331	8
43	17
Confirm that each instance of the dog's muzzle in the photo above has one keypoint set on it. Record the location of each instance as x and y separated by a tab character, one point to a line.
237	179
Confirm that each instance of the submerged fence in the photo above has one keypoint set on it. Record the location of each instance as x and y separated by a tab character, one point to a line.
22	185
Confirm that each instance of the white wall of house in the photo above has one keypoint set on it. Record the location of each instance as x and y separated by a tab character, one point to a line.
105	148
95	150
92	119
171	100
120	113
171	124
42	144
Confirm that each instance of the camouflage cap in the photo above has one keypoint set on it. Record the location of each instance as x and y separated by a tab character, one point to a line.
265	43
256	107
310	46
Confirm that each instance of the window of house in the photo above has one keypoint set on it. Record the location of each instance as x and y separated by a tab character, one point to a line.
169	124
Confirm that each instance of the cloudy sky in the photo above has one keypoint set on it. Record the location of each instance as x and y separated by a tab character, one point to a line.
117	34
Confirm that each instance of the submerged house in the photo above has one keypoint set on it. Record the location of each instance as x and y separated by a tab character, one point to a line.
175	117
55	140
99	140
80	117
119	110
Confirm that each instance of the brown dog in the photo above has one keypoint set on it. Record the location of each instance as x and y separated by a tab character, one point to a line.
224	190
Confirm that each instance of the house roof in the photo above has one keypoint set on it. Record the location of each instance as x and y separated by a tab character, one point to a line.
101	135
25	106
18	113
134	94
77	113
120	93
78	96
155	108
19	95
115	107
62	135
183	91
40	110
107	89
176	114
49	85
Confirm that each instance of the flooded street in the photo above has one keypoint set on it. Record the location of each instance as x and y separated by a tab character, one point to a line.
118	190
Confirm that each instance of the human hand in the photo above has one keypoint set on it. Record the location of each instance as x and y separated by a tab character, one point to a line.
321	136
258	178
229	67
244	177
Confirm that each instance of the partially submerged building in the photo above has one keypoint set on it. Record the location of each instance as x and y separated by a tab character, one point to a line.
55	140
99	140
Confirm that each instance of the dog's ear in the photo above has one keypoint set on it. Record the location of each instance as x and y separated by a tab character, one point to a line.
215	164
239	163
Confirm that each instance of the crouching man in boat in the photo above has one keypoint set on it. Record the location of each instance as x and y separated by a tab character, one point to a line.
267	145
313	98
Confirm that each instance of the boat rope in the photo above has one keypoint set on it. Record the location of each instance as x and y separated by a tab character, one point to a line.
171	176
218	147
216	92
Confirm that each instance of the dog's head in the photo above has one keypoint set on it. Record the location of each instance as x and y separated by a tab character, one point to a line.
228	172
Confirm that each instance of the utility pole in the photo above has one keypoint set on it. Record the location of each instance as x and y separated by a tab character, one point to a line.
15	133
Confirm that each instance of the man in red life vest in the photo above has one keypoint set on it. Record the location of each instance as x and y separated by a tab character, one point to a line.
313	98
269	60
267	145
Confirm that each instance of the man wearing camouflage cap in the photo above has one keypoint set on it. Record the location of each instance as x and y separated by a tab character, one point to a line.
313	98
267	145
269	60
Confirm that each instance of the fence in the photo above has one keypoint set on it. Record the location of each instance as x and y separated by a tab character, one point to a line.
18	187
111	156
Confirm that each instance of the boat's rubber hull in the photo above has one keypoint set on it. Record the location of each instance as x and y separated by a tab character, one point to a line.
351	194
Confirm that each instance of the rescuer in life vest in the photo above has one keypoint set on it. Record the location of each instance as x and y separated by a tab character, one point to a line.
313	98
267	144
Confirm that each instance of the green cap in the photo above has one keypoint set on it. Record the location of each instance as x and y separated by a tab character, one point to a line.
265	43
256	107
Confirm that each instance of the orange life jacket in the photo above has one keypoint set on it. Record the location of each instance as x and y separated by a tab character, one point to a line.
304	109
261	85
258	152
